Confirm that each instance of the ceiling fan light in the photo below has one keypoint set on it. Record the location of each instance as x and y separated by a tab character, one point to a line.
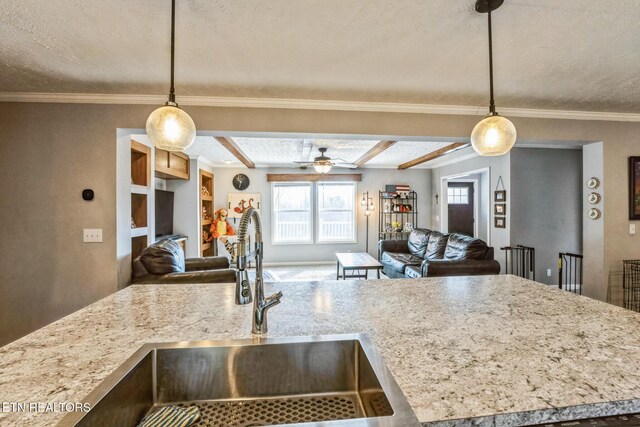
493	136
322	167
170	128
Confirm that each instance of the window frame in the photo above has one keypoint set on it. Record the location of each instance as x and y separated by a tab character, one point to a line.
314	213
459	195
354	209
311	212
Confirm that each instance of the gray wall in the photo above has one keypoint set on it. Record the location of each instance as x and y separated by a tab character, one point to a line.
373	180
546	205
50	152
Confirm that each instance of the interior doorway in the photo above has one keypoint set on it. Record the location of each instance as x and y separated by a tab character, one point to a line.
461	207
480	203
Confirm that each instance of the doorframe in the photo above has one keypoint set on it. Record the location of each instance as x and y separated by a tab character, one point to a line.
444	205
476	210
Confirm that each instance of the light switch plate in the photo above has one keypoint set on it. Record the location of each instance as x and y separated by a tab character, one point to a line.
548	272
632	229
92	235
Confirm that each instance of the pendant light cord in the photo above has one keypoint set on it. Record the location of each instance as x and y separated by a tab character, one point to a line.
172	95
492	105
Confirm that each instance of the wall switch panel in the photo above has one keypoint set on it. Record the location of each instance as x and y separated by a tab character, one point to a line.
92	235
632	229
548	272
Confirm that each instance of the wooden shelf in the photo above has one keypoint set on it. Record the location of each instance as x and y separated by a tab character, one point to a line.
139	189
139	231
140	164
206	203
139	209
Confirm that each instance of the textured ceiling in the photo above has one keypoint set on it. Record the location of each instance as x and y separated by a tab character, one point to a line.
569	54
283	152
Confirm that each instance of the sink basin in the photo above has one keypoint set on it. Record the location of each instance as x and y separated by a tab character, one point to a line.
302	381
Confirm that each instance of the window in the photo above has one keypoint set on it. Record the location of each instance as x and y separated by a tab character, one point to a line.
458	195
306	212
292	214
336	213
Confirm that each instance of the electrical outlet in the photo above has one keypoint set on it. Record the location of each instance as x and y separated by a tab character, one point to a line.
548	272
92	235
632	229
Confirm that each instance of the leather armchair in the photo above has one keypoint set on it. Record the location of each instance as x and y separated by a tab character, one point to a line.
163	263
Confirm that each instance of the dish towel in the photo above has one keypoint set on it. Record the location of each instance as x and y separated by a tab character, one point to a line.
172	416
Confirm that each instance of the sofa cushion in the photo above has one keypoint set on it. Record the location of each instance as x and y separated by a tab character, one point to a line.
464	247
165	256
418	240
398	261
436	246
413	271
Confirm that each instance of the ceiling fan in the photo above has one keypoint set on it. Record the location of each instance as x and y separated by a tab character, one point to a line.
323	164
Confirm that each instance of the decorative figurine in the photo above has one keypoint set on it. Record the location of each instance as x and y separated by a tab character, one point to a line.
220	229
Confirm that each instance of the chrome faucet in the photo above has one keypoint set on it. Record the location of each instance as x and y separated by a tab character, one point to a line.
243	285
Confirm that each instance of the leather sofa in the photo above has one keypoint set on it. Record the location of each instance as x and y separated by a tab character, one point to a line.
164	262
428	253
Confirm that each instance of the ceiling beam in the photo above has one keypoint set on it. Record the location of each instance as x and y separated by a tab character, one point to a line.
433	155
374	151
233	148
299	177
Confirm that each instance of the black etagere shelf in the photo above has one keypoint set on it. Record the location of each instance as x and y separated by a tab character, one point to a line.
394	208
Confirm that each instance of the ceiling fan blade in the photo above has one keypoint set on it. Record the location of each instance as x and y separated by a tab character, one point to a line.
345	165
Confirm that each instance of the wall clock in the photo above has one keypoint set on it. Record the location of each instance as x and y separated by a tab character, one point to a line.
593	183
593	198
241	181
594	213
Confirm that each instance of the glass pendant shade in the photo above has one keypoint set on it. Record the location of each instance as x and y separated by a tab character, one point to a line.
493	136
363	202
170	128
322	166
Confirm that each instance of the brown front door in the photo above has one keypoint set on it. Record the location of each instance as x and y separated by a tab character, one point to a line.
461	210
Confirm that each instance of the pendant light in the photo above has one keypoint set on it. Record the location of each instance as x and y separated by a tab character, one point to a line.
169	127
494	135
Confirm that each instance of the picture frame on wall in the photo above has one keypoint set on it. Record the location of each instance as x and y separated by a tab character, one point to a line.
500	196
500	209
500	222
634	187
238	203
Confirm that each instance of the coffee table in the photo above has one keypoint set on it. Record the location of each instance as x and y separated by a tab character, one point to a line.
351	261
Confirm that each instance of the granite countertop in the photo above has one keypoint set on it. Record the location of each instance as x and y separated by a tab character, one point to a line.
501	349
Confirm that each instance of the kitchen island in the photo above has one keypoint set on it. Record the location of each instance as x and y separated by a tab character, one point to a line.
484	350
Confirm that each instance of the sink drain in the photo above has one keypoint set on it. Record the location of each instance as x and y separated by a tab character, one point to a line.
265	412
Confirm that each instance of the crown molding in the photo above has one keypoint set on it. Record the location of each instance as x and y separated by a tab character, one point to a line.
311	104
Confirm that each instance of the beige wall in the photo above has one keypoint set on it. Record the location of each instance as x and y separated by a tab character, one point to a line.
50	152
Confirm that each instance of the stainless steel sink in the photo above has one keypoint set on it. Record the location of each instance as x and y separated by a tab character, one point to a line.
302	381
